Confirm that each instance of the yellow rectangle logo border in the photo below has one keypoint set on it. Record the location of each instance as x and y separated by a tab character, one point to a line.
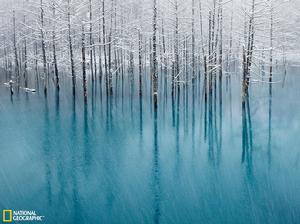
4	214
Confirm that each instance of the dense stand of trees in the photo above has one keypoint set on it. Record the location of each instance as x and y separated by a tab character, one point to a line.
180	42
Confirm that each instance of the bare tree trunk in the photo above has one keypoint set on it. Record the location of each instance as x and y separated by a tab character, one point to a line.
83	65
140	63
104	47
17	71
210	51
6	60
247	54
213	26
110	39
176	43
229	54
154	58
109	64
114	42
250	41
201	29
54	49
45	74
99	55
193	42
25	59
245	73
221	42
271	43
36	65
71	50
91	39
95	61
220	74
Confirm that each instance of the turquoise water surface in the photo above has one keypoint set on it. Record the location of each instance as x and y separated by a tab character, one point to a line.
110	162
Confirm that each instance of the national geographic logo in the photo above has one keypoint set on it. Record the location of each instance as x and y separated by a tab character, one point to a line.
21	216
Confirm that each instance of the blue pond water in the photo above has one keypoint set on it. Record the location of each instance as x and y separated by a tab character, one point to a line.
108	162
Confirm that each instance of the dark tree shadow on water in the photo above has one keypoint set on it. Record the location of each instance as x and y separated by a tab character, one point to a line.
156	186
60	154
86	141
270	126
47	151
247	136
77	208
140	120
